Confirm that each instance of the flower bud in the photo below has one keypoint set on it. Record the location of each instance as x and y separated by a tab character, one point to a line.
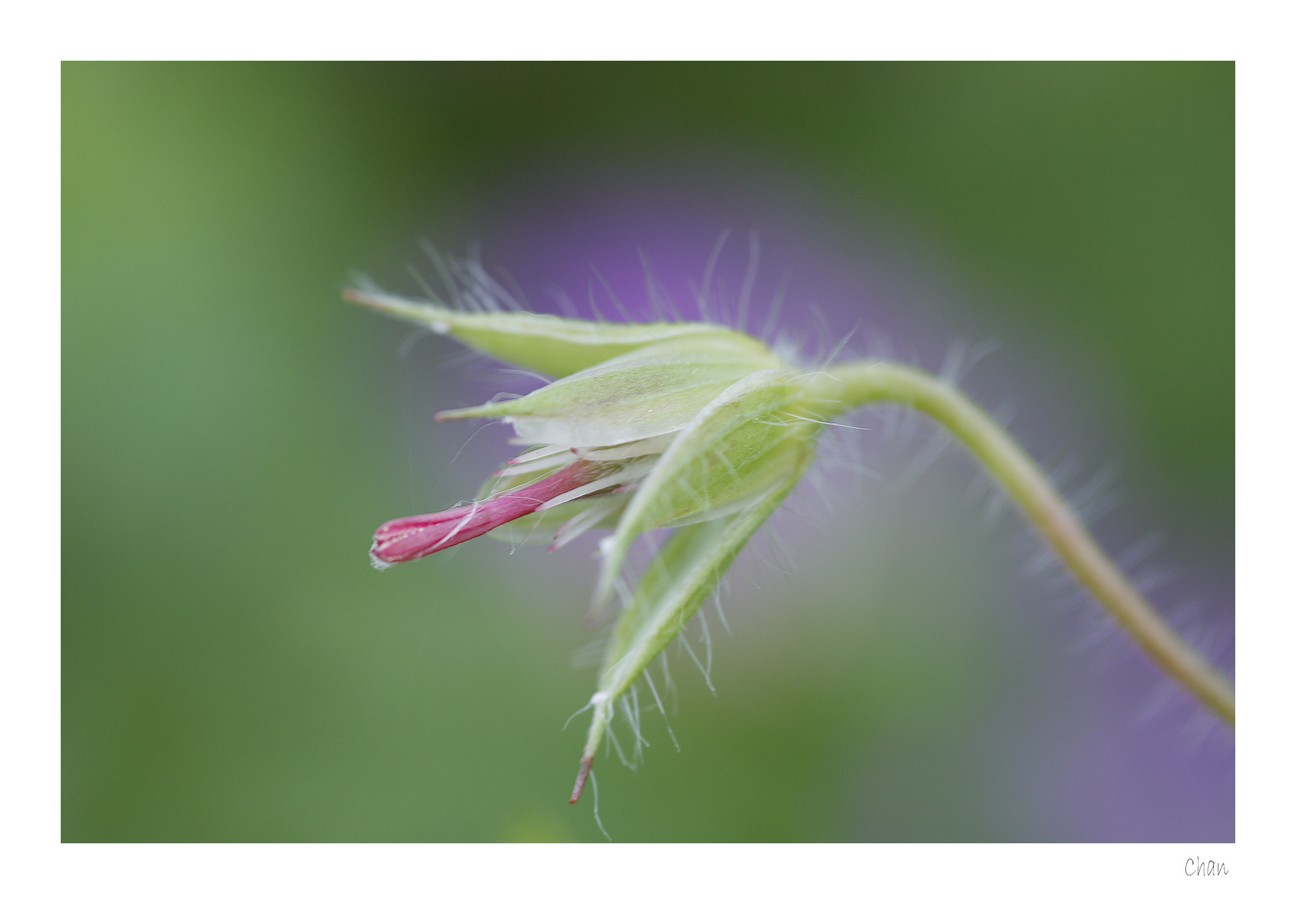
692	427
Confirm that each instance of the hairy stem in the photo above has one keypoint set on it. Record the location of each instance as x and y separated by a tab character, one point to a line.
862	383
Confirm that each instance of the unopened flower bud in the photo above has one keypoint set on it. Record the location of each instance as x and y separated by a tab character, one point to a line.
686	426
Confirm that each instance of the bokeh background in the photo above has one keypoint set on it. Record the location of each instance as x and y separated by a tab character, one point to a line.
902	666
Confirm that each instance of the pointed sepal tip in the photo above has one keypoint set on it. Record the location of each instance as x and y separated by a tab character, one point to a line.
586	764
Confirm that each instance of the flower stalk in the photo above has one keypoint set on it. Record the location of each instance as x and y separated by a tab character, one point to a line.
857	384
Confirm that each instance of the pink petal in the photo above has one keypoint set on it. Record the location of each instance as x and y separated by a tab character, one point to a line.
406	539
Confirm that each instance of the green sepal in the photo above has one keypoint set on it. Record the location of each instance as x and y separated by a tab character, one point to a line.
678	581
543	343
745	441
644	393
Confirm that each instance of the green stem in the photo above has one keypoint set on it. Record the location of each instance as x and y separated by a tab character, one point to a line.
854	385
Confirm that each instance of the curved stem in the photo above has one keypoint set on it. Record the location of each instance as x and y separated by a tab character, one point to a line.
853	385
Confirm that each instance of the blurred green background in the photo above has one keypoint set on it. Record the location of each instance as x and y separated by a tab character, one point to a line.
232	433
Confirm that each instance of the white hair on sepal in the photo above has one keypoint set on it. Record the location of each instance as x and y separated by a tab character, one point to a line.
704	669
598	820
629	704
446	274
478	292
630	709
584	709
494	296
615	742
663	307
471	436
529	374
769	331
717	595
515	291
819	482
416	337
589	655
363	282
702	294
707	644
817	331
641	739
624	590
807	506
661	707
596	313
466	284
768	546
646	548
611	294
840	452
749	280
566	307
424	287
